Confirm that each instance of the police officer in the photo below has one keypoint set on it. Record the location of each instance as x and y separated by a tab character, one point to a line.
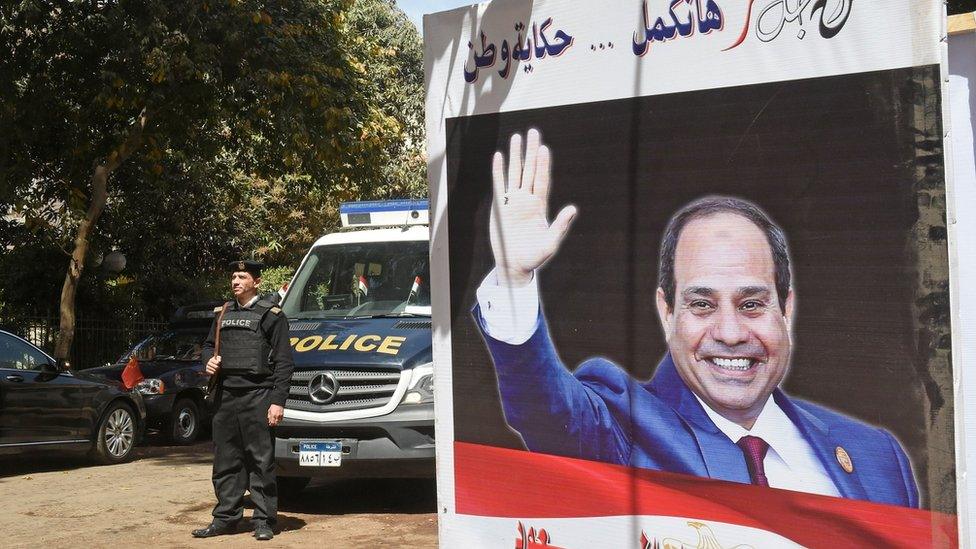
254	366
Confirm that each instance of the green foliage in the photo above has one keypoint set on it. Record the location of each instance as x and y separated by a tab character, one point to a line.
275	277
397	80
291	210
262	118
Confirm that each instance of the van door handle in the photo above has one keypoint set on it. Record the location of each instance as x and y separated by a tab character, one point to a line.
15	377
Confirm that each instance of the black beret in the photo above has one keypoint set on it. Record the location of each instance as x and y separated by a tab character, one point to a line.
248	266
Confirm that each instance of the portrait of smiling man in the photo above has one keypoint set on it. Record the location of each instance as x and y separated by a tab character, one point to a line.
713	407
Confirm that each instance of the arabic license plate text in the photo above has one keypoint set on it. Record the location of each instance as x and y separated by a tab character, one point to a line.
320	454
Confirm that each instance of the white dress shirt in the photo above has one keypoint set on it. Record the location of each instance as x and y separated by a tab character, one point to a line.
250	303
790	463
511	314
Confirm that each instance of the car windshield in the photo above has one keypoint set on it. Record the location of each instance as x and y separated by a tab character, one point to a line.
173	345
362	280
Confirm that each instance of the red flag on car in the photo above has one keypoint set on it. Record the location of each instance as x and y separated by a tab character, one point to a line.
414	289
131	374
362	286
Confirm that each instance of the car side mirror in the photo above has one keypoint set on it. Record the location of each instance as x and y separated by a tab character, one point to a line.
48	371
59	365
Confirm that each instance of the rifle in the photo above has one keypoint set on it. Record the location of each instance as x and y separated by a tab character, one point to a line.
214	381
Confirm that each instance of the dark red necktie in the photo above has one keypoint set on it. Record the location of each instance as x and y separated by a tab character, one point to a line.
754	449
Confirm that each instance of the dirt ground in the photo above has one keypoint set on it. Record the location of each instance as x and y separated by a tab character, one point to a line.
60	500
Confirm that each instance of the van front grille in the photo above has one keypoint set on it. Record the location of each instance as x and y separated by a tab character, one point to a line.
342	389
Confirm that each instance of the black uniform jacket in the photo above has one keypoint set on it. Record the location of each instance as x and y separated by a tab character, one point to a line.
274	326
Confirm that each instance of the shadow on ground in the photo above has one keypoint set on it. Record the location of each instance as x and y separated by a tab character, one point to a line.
324	497
286	523
364	496
37	460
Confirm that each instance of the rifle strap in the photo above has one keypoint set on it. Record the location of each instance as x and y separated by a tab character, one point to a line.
220	319
215	379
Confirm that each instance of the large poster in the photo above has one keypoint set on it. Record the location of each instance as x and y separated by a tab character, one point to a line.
962	100
694	269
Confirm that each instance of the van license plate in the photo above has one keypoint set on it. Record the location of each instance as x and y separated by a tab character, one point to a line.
320	454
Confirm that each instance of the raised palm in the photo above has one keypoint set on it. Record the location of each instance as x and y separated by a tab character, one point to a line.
522	239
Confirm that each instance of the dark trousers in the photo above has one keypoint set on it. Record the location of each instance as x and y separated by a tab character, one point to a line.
244	456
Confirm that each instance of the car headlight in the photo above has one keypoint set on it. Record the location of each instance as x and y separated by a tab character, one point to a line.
150	386
421	388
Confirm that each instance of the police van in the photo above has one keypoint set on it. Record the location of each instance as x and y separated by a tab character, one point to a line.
361	401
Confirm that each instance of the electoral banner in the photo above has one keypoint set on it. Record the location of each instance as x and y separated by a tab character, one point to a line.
693	274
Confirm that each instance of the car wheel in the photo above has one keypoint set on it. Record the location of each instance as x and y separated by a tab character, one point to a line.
184	423
116	434
291	487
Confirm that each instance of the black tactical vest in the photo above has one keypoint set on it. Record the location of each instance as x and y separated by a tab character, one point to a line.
244	347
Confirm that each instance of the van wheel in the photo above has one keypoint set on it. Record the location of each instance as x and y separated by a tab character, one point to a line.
184	422
116	435
291	487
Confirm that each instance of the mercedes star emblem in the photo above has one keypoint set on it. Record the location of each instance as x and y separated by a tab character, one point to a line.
323	388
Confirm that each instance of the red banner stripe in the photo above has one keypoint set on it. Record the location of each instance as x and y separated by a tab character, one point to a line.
498	482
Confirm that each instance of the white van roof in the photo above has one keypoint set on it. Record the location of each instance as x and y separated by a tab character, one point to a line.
411	233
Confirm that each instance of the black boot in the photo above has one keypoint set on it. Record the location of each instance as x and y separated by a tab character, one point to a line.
263	532
213	530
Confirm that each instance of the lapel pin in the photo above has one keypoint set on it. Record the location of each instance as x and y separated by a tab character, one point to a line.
844	459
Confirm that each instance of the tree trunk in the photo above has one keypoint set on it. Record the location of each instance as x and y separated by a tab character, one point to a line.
99	182
66	332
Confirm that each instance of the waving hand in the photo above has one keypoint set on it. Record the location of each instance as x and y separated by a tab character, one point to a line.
522	239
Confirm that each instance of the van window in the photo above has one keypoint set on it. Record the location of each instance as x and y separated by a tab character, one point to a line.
362	280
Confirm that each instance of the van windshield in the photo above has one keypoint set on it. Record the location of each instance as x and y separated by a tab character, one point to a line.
362	280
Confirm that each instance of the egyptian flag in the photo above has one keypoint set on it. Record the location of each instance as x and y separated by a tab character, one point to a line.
361	285
131	374
414	289
501	482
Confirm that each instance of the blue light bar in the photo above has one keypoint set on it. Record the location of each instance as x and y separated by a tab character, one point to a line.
376	206
385	213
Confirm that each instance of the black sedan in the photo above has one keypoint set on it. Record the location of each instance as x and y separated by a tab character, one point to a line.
174	384
44	405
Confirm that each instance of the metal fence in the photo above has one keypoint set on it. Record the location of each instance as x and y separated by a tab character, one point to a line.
96	342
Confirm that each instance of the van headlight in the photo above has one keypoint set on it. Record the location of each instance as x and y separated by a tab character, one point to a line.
421	388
